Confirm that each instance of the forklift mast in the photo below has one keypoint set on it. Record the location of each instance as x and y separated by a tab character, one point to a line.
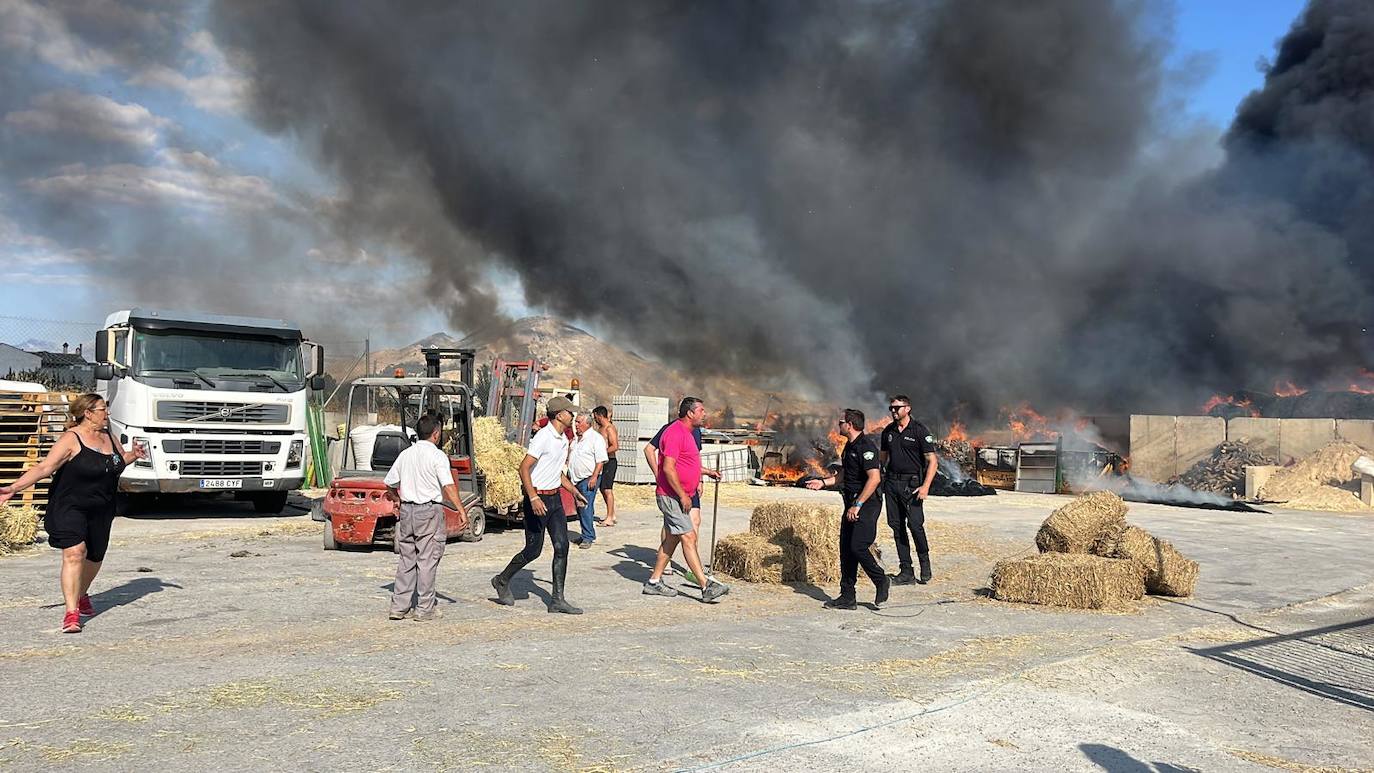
514	396
465	357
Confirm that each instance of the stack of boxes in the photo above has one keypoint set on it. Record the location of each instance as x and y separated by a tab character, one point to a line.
637	419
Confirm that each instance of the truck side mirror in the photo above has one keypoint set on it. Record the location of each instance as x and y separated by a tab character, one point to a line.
104	372
104	349
316	360
317	383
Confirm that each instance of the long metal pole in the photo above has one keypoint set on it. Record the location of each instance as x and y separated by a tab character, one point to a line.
715	506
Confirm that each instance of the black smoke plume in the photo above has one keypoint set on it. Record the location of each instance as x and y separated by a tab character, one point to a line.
974	203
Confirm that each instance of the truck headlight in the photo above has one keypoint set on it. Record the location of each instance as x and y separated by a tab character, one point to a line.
142	444
293	456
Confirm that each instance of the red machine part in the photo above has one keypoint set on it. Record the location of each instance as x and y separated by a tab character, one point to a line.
355	506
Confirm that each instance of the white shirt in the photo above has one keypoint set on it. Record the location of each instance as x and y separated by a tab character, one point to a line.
549	447
420	473
587	453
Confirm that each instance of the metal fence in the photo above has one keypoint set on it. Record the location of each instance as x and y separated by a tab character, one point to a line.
33	350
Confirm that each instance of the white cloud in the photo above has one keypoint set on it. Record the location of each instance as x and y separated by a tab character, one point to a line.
186	178
38	30
217	86
91	115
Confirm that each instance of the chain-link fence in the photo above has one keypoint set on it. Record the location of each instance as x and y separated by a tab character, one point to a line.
56	353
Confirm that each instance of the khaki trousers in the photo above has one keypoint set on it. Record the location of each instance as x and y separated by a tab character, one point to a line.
420	539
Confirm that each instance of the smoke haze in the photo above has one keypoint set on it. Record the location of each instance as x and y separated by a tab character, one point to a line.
976	204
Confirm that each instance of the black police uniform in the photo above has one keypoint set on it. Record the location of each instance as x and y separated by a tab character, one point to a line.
906	451
856	537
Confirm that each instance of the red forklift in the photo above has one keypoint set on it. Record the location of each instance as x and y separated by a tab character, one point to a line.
359	510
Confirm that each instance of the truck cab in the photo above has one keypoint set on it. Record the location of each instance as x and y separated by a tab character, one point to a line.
219	402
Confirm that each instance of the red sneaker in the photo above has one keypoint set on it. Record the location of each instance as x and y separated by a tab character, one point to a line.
71	622
85	606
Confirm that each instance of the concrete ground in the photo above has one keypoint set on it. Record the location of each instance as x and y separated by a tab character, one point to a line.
232	641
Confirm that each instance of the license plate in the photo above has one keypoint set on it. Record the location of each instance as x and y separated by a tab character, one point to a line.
221	483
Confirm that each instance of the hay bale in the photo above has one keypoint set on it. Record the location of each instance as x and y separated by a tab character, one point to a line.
498	460
1166	571
1076	580
1075	527
809	536
749	557
18	527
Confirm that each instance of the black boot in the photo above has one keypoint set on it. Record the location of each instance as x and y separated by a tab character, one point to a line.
904	577
560	574
884	587
843	601
501	582
925	567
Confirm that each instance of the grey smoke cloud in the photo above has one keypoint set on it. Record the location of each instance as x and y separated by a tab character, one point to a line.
976	204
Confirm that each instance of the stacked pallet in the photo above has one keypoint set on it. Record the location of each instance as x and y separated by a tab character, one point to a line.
637	419
30	423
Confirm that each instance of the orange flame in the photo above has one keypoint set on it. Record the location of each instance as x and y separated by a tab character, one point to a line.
1288	389
1216	400
957	432
1025	424
1364	382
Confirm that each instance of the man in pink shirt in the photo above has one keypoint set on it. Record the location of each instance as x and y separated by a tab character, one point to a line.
679	477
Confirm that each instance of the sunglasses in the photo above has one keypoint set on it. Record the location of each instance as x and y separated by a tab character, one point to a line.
841	421
895	408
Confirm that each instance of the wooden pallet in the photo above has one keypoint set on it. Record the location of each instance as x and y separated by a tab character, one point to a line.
29	426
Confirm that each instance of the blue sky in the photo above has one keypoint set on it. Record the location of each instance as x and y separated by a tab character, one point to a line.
178	130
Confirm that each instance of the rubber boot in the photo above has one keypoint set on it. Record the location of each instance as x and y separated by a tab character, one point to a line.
904	577
501	582
560	574
925	567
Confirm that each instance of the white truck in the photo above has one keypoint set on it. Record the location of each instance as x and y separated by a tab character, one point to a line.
218	402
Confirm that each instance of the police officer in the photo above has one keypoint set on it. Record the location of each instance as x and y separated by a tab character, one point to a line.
908	454
860	479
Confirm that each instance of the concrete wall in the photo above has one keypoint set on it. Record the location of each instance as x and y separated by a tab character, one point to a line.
1301	437
1153	454
1195	437
1357	431
1164	446
1261	434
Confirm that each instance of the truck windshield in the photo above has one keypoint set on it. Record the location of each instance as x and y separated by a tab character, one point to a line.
178	353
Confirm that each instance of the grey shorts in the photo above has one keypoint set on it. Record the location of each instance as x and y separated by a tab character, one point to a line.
675	519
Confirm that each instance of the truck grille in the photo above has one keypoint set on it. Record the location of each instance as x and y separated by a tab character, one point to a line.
212	446
220	468
223	413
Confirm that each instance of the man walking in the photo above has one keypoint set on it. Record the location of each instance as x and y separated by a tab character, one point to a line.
679	478
541	474
602	416
651	455
908	452
859	479
420	477
585	467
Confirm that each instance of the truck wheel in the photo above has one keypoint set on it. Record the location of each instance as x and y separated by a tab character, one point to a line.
477	524
269	501
329	543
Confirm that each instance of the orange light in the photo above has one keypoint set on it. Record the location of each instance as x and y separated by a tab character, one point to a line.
399	373
576	384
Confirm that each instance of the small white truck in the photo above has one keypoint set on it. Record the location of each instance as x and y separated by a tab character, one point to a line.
219	403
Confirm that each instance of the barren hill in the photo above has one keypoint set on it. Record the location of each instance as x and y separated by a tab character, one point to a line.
602	368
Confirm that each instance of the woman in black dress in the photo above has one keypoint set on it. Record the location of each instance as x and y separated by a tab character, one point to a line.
85	464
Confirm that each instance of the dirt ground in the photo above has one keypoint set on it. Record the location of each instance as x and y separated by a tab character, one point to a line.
232	641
